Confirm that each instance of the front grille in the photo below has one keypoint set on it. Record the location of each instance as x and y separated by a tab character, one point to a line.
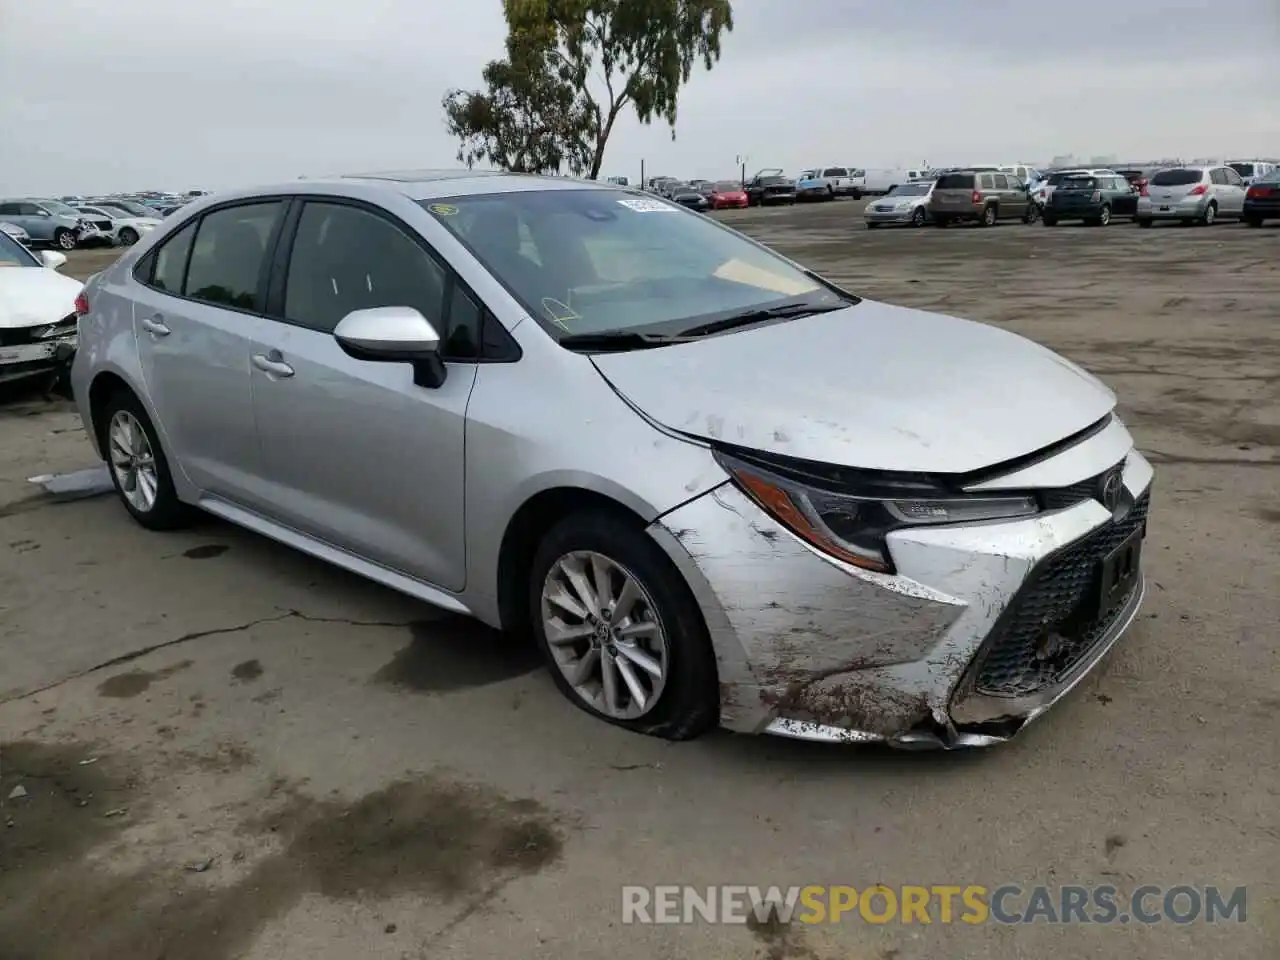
1052	599
1059	498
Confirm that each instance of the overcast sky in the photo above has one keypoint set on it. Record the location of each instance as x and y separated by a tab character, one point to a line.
100	95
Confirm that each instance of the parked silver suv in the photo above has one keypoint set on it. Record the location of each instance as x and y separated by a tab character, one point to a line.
714	486
49	222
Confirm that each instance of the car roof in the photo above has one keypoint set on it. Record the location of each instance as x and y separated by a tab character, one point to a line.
427	184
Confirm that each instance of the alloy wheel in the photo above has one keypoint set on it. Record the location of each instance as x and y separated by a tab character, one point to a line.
128	238
132	461
605	637
67	240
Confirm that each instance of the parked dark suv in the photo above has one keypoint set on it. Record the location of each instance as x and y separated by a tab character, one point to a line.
981	196
1091	198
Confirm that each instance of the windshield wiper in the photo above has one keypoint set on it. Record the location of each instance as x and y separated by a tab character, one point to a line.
748	317
620	340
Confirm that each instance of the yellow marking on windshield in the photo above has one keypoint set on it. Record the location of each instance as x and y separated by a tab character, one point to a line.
560	313
444	209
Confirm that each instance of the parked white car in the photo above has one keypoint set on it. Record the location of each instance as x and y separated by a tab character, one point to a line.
1251	170
876	182
122	227
37	312
16	232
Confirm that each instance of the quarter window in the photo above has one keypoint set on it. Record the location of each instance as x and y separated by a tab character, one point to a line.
230	254
988	181
345	258
171	260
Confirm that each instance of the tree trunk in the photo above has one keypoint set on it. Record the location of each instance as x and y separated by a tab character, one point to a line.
602	139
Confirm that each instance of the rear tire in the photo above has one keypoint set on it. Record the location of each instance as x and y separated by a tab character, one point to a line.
918	217
1103	218
1145	222
1049	221
1253	221
1210	215
687	702
940	221
990	214
162	510
871	225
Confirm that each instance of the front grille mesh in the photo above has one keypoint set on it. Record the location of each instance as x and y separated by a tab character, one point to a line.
1052	599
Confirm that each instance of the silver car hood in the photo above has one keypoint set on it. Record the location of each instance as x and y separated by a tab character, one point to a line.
872	386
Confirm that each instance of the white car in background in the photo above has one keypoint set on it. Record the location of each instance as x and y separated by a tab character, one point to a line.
122	227
37	312
16	232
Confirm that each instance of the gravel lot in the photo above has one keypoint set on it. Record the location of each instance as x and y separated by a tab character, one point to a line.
292	763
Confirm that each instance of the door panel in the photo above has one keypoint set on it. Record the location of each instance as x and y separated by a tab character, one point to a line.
197	375
360	457
195	348
355	453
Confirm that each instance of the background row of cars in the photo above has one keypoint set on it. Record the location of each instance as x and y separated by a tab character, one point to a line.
1199	193
73	222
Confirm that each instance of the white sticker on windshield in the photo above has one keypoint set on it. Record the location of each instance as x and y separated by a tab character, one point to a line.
645	205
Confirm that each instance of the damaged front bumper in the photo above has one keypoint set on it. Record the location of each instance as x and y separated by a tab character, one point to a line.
976	635
50	359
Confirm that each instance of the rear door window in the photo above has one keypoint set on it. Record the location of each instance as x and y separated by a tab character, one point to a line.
171	260
1233	178
229	255
988	181
1176	178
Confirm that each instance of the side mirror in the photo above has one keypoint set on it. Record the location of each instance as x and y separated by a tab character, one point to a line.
53	259
394	335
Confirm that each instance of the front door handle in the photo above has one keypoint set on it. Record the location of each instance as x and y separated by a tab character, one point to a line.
155	326
272	363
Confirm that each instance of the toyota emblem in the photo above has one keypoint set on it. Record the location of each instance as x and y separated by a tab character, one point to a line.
1109	490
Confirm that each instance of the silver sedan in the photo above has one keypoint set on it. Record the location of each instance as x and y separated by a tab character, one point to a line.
715	487
905	204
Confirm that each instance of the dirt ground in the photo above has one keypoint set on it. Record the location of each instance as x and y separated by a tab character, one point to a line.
231	750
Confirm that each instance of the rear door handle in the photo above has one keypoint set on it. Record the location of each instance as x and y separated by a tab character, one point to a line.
155	326
272	363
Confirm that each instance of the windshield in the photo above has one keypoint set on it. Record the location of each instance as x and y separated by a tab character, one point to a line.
112	210
910	190
130	207
58	207
14	254
728	186
594	261
1244	169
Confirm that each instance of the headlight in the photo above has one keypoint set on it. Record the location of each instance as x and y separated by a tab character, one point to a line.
852	526
65	327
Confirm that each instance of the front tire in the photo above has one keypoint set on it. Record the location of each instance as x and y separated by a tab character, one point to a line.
1049	220
139	469
1145	222
1253	221
64	239
128	237
621	631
